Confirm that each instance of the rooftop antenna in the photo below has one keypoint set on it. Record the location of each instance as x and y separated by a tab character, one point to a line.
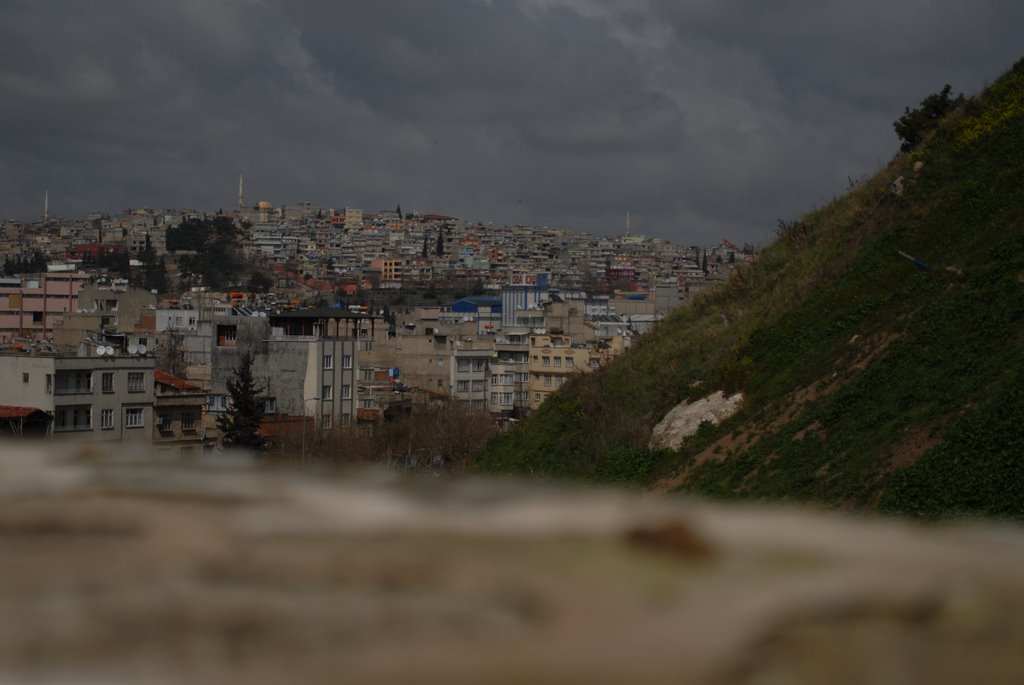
46	207
627	223
241	195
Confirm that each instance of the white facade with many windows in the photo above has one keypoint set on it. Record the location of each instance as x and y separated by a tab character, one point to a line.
97	398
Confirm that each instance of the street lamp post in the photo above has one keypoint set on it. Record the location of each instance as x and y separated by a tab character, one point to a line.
304	427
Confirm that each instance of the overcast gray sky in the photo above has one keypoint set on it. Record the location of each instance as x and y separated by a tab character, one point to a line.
705	119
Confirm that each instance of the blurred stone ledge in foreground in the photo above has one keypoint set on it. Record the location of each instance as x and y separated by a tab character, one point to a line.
117	568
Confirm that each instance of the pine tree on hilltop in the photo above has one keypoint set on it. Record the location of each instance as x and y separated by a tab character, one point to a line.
240	425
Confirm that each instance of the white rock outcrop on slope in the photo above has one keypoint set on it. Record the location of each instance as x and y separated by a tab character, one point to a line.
685	419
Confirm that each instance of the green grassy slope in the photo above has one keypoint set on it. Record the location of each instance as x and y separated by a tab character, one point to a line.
869	381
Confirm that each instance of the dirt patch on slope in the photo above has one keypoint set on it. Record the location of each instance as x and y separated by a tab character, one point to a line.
913	447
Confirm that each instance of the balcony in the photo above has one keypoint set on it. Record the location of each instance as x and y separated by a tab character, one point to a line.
77	384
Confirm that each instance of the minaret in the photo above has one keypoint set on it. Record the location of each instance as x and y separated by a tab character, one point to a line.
627	223
46	207
241	195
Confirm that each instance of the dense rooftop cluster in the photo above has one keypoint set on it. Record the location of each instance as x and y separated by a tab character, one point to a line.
350	249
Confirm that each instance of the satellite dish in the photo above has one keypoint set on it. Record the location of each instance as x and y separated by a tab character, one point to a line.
133	348
100	351
109	350
142	349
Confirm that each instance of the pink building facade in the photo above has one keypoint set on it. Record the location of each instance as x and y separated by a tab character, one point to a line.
35	306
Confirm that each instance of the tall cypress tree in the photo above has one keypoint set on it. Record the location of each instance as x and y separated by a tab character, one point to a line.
240	425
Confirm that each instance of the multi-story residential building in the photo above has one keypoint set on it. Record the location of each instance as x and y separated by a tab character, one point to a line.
33	306
509	384
391	273
94	398
422	359
176	320
553	358
470	372
107	311
353	217
304	361
178	415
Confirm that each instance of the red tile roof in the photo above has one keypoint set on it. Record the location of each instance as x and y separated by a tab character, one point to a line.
9	412
165	378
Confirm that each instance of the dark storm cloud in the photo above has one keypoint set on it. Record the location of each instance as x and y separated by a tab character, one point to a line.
705	119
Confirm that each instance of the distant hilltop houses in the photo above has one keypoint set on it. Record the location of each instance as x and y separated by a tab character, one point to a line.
128	328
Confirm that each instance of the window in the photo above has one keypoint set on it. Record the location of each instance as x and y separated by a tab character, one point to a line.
346	361
326	422
478	386
494	398
188	422
163	422
107	381
327	392
24	378
346	392
134	417
328	361
367	374
559	384
73	418
462	386
536	397
227	336
463	365
479	364
270	405
346	420
136	381
547	361
547	381
106	419
49	384
569	362
494	379
558	361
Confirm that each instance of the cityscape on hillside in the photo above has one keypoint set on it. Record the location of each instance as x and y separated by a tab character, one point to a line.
130	327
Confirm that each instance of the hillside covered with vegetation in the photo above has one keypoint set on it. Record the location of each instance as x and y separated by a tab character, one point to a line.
878	344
